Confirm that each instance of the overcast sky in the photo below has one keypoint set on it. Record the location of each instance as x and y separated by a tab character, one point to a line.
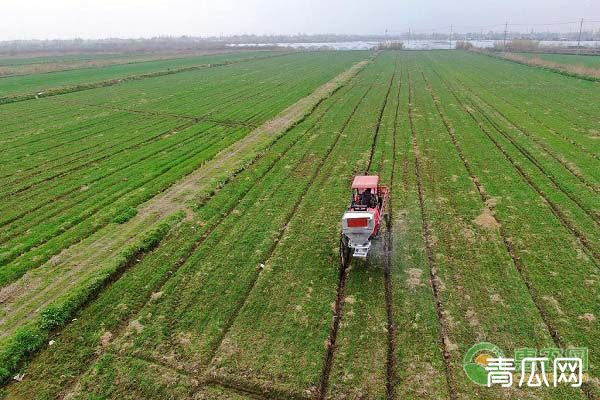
45	19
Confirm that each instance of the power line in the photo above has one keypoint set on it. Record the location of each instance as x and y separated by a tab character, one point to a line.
479	27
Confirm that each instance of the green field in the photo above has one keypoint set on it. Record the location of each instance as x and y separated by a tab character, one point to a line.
176	236
38	83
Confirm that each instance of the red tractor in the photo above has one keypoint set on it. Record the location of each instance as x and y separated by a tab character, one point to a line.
362	220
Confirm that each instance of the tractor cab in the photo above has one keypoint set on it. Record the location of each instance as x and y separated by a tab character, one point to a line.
362	220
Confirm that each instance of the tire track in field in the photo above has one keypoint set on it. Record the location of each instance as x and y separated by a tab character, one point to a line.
540	143
203	118
510	248
595	218
175	197
486	201
378	124
345	271
429	244
391	362
223	217
556	210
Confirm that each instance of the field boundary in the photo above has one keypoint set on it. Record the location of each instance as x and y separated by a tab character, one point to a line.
542	67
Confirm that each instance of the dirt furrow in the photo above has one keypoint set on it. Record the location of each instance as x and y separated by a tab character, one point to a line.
429	244
346	268
391	362
177	197
378	125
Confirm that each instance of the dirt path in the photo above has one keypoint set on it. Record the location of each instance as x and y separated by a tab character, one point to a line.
23	299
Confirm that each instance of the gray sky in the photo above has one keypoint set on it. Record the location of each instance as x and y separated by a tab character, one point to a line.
44	19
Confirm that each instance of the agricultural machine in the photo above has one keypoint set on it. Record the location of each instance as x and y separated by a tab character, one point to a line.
362	220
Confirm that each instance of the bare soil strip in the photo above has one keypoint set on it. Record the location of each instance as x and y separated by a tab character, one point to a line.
41	67
574	71
339	298
378	125
220	380
556	210
429	243
285	227
91	254
335	327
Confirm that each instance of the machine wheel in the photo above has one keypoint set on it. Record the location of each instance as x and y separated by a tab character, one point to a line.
344	251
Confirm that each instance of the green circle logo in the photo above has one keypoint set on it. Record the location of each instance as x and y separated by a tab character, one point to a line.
476	359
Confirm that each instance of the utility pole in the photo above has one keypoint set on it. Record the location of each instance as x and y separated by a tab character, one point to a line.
505	34
451	34
580	29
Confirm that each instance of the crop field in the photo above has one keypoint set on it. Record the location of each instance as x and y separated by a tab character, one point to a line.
20	65
38	83
176	236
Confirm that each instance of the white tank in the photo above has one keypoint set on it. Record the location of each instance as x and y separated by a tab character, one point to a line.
357	227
